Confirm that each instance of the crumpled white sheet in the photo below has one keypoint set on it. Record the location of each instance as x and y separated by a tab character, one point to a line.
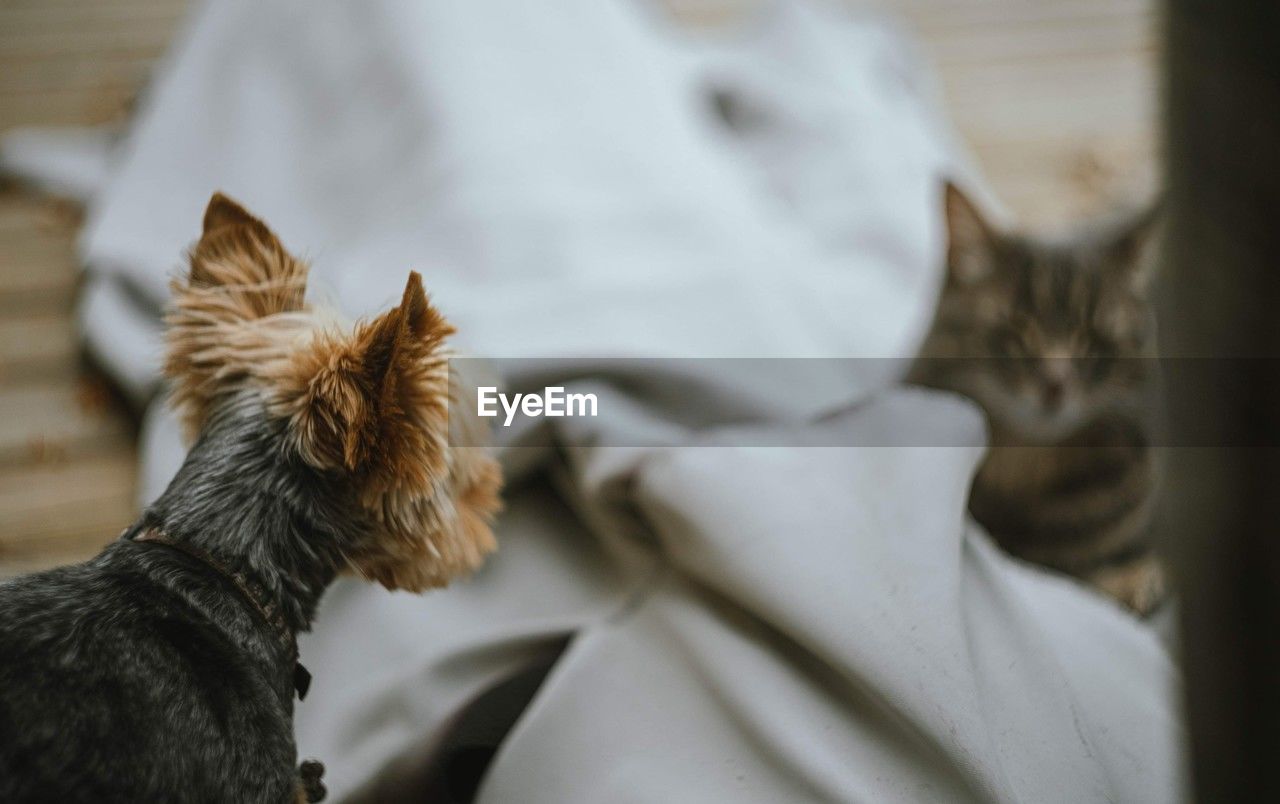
784	623
557	174
824	626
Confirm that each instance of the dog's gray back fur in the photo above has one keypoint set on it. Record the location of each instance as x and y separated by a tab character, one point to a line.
144	675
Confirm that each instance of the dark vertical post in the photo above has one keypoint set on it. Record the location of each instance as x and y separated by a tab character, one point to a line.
1221	301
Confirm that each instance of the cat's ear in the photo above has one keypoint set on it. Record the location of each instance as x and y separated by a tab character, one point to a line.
375	401
1130	249
971	241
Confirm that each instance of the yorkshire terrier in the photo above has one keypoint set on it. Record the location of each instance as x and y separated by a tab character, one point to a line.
165	668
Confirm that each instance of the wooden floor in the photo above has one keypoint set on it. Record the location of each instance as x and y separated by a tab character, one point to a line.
67	461
1055	97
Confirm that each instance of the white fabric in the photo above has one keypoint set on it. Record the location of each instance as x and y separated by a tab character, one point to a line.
555	173
826	627
786	623
73	163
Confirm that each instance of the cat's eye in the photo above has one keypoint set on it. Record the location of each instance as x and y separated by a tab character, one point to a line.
1020	321
1119	326
1130	341
1099	368
1099	343
1010	342
1025	328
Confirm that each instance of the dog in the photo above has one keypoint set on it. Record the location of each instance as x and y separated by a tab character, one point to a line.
165	668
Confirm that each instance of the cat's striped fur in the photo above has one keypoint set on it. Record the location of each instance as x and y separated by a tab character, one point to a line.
1056	342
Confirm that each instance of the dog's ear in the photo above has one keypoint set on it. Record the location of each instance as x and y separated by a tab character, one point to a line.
244	262
375	403
240	275
222	211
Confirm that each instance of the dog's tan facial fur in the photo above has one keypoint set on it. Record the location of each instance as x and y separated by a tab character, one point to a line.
369	402
373	401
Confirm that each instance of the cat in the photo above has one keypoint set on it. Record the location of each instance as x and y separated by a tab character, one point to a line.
1055	342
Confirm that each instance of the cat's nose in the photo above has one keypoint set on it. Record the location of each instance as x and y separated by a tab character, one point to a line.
1056	371
1056	368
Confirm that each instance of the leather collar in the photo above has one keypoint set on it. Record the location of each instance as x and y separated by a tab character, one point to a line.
251	591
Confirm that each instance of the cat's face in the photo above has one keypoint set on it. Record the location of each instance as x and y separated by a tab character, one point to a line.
1050	332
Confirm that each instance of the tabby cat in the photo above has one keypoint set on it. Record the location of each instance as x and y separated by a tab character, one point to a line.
1053	340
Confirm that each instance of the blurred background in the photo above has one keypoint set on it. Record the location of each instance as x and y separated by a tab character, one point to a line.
1056	98
1057	101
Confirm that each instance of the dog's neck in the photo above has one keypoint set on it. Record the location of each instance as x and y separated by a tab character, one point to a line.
241	500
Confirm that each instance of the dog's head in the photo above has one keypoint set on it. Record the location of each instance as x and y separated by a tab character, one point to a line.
365	405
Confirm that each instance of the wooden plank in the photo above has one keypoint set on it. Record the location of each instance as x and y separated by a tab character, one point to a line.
141	36
60	497
39	346
937	18
1056	98
72	504
67	465
38	264
44	15
31	264
995	83
78	6
122	72
58	553
70	107
52	421
20	213
991	49
1097	117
